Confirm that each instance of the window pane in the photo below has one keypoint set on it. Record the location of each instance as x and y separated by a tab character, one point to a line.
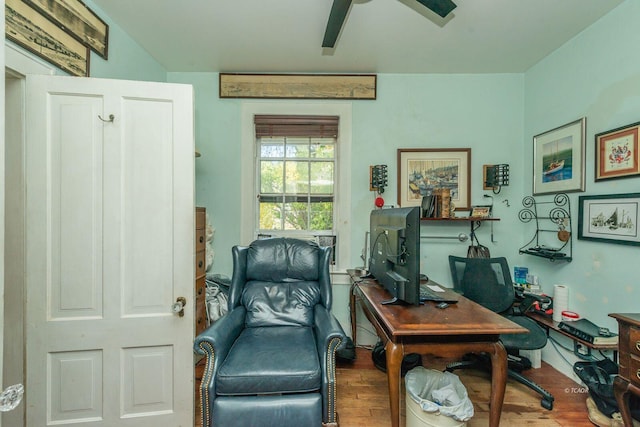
296	216
271	176
270	216
298	147
272	147
297	177
322	148
322	216
322	177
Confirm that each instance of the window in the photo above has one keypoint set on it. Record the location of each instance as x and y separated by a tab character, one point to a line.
296	170
340	236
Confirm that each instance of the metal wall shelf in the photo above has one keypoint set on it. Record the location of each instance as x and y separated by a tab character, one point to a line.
551	217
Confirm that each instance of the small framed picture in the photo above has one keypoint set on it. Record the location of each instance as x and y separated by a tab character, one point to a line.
617	153
481	211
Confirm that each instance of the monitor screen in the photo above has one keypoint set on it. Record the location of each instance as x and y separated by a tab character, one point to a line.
395	252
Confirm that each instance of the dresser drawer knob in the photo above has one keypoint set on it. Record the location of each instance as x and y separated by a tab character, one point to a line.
200	264
201	239
638	374
638	345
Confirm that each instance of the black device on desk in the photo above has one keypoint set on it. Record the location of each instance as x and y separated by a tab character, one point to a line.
431	291
395	253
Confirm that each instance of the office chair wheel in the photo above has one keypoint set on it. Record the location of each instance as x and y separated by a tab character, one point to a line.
547	404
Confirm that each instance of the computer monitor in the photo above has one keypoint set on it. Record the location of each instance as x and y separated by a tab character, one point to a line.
395	252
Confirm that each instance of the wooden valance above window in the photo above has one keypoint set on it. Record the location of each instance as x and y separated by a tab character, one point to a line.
298	86
291	126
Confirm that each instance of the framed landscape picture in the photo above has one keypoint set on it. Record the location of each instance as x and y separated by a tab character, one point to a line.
611	218
26	27
558	159
77	19
423	170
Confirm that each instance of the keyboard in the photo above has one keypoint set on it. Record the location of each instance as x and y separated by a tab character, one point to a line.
428	294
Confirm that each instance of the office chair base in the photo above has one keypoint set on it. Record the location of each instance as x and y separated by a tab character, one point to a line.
482	362
547	398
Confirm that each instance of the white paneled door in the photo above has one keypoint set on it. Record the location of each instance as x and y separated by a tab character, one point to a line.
109	249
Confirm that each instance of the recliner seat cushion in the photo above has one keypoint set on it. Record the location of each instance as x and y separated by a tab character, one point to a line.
259	364
280	304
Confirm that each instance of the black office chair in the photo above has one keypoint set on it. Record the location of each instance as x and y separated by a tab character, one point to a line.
487	281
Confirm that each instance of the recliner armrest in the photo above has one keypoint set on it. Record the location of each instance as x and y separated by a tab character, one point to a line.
329	336
327	327
221	335
215	343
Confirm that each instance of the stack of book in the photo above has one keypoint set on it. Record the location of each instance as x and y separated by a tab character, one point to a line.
588	331
437	205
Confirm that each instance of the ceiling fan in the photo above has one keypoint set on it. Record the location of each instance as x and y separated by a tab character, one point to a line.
341	7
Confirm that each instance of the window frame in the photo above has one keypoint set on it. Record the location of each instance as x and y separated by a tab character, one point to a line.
309	161
342	178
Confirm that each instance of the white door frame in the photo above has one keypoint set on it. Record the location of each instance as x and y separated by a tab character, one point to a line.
17	65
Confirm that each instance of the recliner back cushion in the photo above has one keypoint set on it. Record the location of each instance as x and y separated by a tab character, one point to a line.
280	303
282	259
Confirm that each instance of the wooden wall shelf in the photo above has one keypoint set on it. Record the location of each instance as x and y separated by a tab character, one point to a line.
460	219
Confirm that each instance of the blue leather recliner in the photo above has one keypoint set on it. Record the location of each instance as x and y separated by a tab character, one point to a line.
270	361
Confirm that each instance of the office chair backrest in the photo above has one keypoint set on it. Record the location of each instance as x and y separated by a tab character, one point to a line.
486	281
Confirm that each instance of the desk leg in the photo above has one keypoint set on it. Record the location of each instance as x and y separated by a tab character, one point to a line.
498	383
621	391
352	311
394	353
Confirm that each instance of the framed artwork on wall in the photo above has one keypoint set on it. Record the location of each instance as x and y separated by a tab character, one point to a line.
78	20
482	211
298	86
423	170
611	218
559	158
617	153
26	27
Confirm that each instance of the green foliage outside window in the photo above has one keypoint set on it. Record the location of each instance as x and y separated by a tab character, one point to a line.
296	183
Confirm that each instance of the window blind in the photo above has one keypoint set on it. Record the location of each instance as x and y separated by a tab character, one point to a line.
296	126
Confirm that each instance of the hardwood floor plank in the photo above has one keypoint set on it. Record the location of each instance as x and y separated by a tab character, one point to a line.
363	399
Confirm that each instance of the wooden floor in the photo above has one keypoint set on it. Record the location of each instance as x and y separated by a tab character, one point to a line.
363	400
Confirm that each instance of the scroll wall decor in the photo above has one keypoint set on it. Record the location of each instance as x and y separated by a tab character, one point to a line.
298	86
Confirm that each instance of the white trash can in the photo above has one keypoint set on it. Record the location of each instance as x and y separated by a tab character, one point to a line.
436	399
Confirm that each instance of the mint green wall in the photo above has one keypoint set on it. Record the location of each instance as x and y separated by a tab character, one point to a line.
596	75
126	59
484	112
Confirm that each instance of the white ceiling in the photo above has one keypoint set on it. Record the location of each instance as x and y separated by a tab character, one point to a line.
379	36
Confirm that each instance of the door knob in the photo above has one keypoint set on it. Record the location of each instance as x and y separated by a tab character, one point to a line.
178	306
11	397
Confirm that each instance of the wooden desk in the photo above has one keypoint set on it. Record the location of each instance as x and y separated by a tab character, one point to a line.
627	382
464	327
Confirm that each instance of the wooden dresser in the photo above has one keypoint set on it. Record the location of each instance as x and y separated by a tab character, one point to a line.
628	380
200	291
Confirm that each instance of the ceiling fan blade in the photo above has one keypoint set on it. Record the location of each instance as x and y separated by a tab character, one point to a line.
336	21
441	7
